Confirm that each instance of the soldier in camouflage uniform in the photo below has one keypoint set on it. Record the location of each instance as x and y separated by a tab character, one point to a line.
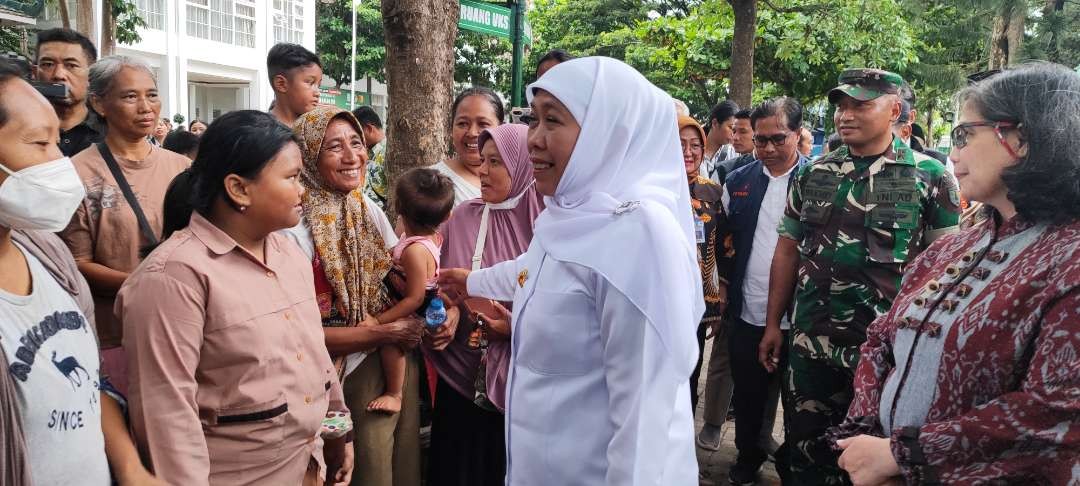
853	221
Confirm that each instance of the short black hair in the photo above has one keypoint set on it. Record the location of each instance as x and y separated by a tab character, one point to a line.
239	142
788	107
554	55
743	114
835	142
367	116
67	36
181	142
722	111
424	197
488	94
9	70
284	57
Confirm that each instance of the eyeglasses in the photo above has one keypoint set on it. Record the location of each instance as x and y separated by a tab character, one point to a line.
777	140
962	131
694	147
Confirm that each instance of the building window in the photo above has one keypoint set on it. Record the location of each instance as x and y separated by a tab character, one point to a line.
288	21
245	24
226	21
152	12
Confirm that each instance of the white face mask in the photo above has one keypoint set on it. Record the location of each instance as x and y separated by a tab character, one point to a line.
40	197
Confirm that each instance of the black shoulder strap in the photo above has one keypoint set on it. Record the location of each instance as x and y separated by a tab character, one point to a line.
117	174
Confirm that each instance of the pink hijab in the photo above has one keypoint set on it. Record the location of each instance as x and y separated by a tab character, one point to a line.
510	230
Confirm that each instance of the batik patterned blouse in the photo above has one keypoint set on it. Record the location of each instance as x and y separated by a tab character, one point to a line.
974	373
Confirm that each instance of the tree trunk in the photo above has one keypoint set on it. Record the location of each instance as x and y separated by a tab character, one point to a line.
108	29
1007	34
1015	34
929	132
419	37
65	16
84	18
742	52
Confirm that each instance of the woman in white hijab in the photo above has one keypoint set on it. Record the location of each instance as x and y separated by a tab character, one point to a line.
608	296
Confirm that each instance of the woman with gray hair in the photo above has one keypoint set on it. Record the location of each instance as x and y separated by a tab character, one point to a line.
125	179
972	376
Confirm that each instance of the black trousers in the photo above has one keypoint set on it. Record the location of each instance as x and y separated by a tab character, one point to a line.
468	447
752	384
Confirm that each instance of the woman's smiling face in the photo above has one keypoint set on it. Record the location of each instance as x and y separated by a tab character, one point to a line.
553	133
473	115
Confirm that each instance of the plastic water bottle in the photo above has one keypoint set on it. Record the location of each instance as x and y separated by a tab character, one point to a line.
436	314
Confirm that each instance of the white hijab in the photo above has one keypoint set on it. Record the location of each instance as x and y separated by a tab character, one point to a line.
627	165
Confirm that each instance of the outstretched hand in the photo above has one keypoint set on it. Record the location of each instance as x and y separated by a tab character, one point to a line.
453	282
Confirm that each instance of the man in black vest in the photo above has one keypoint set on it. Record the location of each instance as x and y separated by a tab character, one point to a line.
755	196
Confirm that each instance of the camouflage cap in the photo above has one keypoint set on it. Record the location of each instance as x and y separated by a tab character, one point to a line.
866	84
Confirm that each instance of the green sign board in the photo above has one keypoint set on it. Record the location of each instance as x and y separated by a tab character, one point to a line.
488	18
29	8
340	97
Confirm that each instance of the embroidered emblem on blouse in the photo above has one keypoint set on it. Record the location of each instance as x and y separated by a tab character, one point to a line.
522	277
627	207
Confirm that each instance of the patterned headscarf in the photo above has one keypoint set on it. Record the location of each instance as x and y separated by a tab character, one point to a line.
347	241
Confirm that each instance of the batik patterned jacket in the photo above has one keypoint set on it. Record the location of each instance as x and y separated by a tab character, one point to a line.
975	371
858	224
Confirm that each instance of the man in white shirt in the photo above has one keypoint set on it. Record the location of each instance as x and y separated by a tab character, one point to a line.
755	196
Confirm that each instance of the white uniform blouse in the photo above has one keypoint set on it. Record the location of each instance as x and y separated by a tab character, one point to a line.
593	398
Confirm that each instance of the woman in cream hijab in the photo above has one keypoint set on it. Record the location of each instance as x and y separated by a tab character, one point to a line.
608	296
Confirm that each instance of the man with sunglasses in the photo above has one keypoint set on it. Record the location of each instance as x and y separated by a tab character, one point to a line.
854	220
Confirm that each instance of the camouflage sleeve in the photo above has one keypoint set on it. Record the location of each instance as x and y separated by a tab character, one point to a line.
943	208
790	226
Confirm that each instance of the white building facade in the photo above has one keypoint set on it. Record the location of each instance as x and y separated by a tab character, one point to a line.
210	55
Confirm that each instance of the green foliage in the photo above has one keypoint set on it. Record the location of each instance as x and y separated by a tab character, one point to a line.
483	60
803	52
333	40
800	51
689	56
1057	36
11	40
127	20
480	59
584	28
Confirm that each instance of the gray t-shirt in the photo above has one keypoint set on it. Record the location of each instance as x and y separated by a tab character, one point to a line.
53	358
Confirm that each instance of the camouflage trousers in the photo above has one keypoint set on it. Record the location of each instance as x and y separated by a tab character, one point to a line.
819	393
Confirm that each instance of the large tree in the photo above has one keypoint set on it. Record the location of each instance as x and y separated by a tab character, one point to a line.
798	49
1008	34
742	50
420	78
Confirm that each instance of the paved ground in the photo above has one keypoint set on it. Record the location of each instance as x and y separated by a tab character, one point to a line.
714	464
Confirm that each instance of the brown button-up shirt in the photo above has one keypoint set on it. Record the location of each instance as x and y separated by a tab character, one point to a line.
230	377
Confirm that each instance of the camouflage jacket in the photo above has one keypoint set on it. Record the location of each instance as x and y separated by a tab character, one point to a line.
858	224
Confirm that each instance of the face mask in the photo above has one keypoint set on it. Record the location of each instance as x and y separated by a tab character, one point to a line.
40	197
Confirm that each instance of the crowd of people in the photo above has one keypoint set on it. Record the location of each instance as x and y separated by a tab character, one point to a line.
231	303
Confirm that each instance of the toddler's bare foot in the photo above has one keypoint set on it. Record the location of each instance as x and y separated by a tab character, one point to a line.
389	404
